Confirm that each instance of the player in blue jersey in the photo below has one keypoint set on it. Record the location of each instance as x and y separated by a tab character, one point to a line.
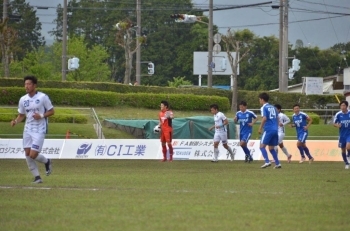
246	120
269	123
342	121
301	121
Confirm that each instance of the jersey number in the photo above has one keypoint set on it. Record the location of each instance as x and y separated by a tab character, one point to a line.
272	113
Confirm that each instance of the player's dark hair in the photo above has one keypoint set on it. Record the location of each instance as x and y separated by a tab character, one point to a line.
344	102
296	105
215	106
264	96
243	103
279	107
31	78
165	103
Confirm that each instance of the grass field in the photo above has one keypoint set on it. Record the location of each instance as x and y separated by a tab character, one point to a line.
182	195
58	130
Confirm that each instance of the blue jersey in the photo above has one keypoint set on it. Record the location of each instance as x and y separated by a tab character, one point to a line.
344	120
300	121
271	114
245	118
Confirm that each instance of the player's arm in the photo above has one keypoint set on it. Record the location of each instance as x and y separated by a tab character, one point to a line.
253	120
18	119
336	122
309	119
211	128
286	120
263	121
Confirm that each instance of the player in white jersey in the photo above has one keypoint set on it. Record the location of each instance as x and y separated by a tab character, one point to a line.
34	107
283	120
220	122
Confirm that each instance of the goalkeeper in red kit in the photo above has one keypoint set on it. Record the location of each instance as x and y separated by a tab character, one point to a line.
166	133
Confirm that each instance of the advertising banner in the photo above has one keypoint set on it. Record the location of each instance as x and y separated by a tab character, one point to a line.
13	148
321	150
190	149
110	149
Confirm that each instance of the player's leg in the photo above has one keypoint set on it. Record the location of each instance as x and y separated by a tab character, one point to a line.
345	157
33	168
216	140
168	138
272	144
263	143
163	143
37	144
228	148
305	148
243	143
300	146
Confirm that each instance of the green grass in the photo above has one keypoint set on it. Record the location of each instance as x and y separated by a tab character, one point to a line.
58	130
182	195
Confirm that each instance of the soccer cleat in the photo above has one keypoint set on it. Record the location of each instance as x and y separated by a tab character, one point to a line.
346	166
232	157
289	158
311	160
278	166
250	160
246	158
163	160
48	167
266	165
302	160
214	161
37	180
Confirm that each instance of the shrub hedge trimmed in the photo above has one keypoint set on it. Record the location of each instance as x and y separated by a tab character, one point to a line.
92	98
287	100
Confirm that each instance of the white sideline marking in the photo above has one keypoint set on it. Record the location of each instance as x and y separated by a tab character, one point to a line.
119	189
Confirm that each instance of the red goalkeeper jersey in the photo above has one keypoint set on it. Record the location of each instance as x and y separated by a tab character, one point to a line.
165	121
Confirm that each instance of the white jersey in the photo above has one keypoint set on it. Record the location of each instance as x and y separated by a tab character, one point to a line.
284	120
219	119
39	103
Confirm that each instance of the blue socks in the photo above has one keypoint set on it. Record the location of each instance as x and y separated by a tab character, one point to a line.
307	152
301	150
264	154
275	157
345	158
247	152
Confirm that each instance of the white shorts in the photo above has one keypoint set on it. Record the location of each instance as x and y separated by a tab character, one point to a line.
280	137
33	140
220	136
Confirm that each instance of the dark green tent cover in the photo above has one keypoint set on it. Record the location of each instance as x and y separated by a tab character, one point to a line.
184	128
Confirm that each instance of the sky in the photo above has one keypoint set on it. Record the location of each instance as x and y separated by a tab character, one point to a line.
321	30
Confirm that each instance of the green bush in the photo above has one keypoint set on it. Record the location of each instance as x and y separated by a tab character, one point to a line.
92	98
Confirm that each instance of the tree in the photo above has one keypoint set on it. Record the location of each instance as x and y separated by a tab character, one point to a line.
124	38
92	64
28	28
240	42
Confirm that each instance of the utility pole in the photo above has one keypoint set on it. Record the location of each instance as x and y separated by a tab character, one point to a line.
210	44
280	68
64	41
138	33
3	40
283	46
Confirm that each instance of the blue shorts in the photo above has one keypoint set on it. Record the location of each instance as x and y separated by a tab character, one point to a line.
302	136
269	138
245	137
343	141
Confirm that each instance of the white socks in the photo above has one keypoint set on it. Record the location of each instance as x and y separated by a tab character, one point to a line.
216	153
33	168
41	159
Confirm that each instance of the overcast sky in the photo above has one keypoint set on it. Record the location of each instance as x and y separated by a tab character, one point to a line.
263	20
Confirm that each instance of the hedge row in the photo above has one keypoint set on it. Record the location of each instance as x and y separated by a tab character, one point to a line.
79	119
251	97
11	96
